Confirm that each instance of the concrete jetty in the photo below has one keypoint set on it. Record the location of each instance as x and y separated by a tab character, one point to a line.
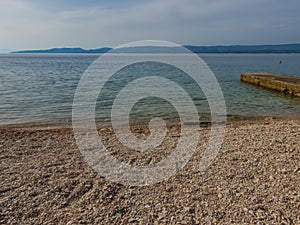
278	82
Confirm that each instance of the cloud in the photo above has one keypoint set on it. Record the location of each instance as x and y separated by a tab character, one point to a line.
29	24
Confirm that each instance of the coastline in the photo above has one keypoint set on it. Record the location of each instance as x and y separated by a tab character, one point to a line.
231	119
255	177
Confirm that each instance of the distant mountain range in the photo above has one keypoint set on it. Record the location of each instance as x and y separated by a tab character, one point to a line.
281	48
66	50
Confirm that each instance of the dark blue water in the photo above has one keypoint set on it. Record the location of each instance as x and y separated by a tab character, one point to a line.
40	88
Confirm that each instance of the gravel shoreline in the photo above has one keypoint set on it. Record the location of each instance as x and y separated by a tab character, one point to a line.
255	179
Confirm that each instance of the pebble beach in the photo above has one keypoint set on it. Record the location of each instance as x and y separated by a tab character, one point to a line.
255	179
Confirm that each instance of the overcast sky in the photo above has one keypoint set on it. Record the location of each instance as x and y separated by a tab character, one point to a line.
40	24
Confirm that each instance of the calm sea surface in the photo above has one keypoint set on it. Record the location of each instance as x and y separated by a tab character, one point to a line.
41	87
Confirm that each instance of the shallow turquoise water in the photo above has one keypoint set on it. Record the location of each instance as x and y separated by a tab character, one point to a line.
40	88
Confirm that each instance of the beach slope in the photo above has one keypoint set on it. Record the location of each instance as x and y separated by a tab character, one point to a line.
254	180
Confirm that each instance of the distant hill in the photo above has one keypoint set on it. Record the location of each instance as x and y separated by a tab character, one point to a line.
66	50
281	48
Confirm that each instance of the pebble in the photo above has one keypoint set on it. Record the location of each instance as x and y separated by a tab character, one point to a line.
118	215
251	180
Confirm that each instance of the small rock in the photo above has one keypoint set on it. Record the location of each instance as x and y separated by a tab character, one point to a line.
251	188
186	209
162	214
235	158
118	215
131	220
88	185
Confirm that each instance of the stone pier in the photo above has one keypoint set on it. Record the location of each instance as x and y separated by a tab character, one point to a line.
278	82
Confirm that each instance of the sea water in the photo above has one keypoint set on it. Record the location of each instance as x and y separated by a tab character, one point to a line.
41	87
